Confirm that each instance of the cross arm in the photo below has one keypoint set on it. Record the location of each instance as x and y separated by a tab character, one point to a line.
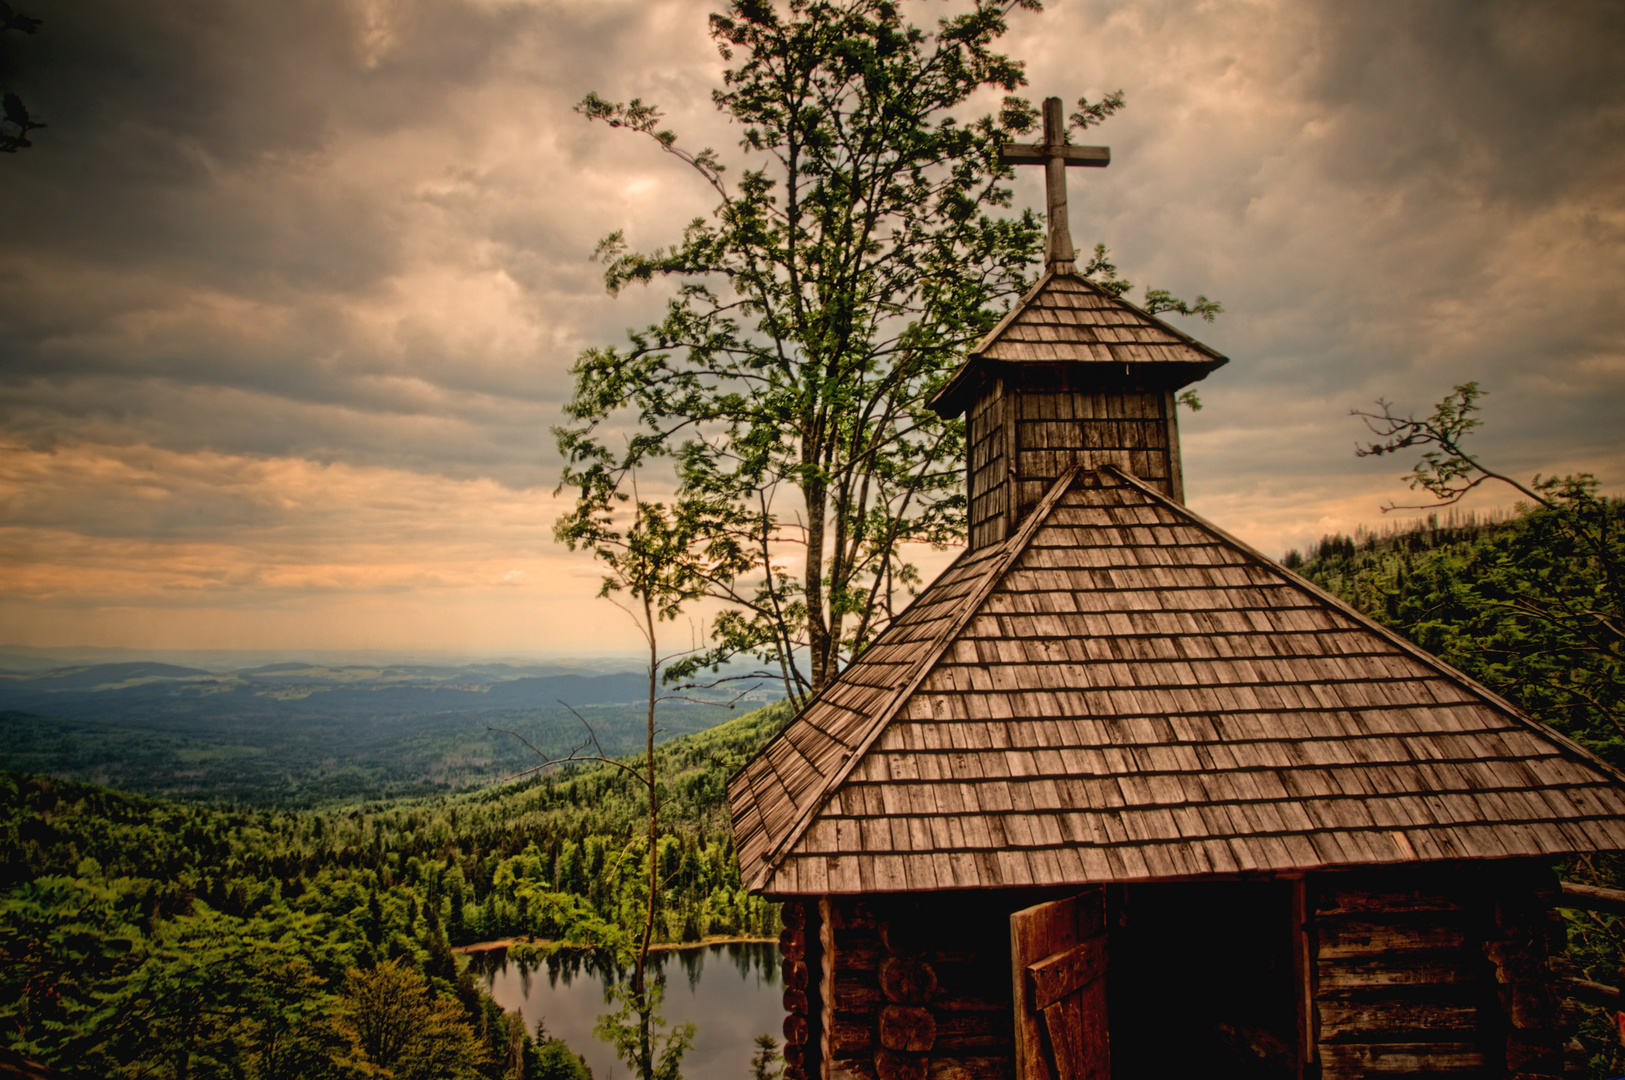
1039	154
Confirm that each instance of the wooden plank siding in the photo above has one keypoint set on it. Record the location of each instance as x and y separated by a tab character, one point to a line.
1412	973
1061	424
1120	692
1052	423
987	469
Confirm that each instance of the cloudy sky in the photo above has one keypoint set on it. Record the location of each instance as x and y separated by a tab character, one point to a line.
289	291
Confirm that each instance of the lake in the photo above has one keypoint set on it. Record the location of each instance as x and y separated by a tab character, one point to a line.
731	991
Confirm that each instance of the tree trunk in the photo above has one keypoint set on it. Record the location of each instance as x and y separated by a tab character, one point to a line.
818	640
639	985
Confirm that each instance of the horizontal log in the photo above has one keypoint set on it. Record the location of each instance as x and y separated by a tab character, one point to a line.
858	951
890	1065
856	992
795	1001
794	915
1356	1059
1593	898
1368	1021
983	1033
794	1056
1362	901
847	914
1591	993
1349	937
848	1036
793	944
907	980
795	974
795	1030
954	1067
1375	972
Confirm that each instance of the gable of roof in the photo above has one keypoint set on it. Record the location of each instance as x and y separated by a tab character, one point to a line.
1121	691
1066	318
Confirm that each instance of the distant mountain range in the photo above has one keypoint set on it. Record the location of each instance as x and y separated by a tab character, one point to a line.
113	691
295	733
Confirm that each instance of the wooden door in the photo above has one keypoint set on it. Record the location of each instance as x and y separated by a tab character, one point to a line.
1058	960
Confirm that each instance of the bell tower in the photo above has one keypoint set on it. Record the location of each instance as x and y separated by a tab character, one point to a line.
1071	376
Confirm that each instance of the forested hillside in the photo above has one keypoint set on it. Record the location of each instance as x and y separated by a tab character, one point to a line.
1529	605
151	938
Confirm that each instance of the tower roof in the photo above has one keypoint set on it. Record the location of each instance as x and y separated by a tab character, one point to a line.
1066	318
1121	691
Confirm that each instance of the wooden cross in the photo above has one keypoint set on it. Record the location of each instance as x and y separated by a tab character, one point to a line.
1055	154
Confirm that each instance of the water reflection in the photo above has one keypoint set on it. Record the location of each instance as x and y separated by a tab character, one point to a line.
731	991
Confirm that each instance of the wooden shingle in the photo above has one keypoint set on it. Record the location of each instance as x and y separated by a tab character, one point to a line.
1068	319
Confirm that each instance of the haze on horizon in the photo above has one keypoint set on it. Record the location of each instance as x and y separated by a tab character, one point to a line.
291	291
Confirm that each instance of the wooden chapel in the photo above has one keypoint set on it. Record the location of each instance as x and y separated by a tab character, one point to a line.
1119	797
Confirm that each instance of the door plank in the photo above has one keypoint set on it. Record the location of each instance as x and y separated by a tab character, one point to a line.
1054	977
1058	954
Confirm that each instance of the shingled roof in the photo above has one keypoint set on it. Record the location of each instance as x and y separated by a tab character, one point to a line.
1121	691
1066	318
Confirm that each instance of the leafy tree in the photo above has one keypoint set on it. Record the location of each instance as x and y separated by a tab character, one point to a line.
61	939
816	311
140	937
551	1059
639	1034
403	1031
1537	610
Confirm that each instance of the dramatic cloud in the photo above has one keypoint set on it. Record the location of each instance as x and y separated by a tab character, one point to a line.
290	291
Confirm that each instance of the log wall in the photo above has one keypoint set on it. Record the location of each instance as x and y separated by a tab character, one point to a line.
1437	971
802	966
921	989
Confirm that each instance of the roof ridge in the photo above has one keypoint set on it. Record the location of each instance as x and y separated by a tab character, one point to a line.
1460	678
1000	566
